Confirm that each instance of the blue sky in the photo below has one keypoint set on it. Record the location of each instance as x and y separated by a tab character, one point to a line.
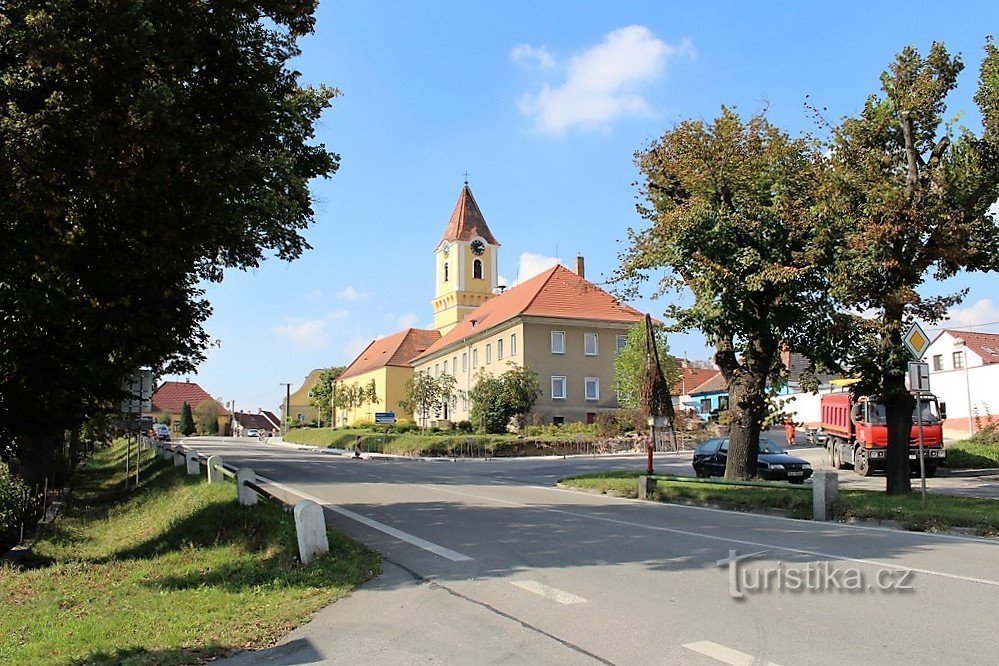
544	104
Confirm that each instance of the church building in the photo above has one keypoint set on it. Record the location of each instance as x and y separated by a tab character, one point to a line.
565	328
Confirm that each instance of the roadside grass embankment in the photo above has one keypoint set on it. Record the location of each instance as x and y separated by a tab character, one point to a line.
981	450
173	572
942	511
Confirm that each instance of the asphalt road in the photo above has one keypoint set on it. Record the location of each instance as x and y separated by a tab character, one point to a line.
486	562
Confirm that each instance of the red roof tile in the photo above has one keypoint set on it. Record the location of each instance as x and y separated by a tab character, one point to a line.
171	396
397	349
715	384
467	221
985	345
558	293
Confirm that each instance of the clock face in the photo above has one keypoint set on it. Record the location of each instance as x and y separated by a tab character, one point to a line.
478	247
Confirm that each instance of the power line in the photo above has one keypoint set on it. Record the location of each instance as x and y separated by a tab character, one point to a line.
941	328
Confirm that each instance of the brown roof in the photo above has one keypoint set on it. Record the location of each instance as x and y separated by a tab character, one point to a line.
171	396
716	384
691	378
466	221
985	345
558	292
259	421
397	349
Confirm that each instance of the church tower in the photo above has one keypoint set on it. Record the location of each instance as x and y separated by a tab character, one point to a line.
467	258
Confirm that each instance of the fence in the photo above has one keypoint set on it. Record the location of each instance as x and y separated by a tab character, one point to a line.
310	521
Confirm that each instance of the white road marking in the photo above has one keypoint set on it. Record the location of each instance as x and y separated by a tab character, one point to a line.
548	592
429	546
713	537
724	654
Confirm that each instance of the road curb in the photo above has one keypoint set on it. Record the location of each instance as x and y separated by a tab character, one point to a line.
967	473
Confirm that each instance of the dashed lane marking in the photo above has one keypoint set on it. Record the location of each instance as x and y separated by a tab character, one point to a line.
548	592
725	655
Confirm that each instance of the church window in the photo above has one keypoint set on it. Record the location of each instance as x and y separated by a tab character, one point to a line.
477	269
445	271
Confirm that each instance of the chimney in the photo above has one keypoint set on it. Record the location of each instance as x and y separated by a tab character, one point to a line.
580	267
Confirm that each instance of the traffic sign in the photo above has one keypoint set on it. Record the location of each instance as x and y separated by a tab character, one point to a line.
384	417
919	377
916	340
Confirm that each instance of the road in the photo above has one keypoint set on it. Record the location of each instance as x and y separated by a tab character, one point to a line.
485	561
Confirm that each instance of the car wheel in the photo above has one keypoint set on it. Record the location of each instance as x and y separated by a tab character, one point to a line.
861	464
701	473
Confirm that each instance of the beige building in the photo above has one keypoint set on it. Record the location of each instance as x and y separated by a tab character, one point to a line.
300	401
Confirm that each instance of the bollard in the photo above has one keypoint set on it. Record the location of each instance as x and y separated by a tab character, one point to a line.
178	458
247	496
193	466
166	453
310	526
646	487
159	448
214	465
825	488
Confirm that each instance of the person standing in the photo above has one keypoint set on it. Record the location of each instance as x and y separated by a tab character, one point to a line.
357	446
789	427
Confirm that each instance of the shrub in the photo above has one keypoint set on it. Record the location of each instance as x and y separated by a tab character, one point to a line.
463	426
608	424
402	427
16	505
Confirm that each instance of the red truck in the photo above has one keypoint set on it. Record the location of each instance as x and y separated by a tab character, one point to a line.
857	433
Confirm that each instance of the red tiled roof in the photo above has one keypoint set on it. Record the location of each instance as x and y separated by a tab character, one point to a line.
691	379
467	221
171	396
258	421
397	349
985	345
715	384
558	293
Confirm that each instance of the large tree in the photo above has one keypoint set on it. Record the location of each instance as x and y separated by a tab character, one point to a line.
908	195
631	361
145	147
322	392
730	204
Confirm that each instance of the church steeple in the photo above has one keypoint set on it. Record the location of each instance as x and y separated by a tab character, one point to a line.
467	263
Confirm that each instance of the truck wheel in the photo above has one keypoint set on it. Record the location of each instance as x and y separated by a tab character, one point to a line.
861	464
833	446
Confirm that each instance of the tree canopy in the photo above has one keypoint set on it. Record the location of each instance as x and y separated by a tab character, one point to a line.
322	392
496	400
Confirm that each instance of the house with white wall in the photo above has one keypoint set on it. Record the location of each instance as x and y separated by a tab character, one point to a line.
964	375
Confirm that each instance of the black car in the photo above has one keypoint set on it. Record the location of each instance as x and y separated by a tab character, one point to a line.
774	463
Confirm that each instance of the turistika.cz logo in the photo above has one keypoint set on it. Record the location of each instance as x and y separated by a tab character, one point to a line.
809	577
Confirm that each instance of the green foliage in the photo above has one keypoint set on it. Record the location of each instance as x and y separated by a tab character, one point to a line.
495	400
164	418
206	417
426	395
186	421
979	450
322	392
16	505
629	364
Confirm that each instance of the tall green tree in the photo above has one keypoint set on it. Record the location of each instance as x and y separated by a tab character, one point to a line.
496	400
322	392
908	195
206	417
729	205
127	128
629	364
186	425
425	395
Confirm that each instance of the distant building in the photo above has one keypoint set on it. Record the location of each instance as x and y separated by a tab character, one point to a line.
300	402
964	375
263	421
169	398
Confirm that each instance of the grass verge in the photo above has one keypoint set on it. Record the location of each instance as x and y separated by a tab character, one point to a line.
941	512
174	572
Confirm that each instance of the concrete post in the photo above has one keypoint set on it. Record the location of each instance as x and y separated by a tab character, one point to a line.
193	466
159	448
214	465
310	526
247	496
646	487
178	458
825	489
166	453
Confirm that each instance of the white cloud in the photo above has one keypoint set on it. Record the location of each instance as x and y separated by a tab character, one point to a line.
355	346
308	334
406	321
983	311
532	56
601	83
348	293
533	264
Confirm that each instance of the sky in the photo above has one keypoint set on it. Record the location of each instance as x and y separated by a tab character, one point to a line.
544	104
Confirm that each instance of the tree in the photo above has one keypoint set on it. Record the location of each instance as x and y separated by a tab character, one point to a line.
908	195
206	417
729	205
629	364
322	392
186	421
123	129
423	396
495	400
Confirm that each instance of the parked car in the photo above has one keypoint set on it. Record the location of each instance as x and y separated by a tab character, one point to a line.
251	432
775	464
161	432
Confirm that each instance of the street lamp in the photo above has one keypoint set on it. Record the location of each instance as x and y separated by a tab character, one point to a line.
962	346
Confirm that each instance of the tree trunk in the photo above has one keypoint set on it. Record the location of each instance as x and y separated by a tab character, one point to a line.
898	409
747	383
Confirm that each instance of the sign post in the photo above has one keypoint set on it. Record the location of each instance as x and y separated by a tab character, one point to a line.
917	342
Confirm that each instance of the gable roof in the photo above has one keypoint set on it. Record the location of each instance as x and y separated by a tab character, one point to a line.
557	293
985	345
258	421
467	221
397	349
171	396
691	379
716	384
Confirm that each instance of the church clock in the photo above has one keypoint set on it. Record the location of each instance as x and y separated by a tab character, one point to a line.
478	247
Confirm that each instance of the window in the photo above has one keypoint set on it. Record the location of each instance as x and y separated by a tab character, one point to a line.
513	344
454	364
591	388
722	403
477	269
475	358
558	388
437	369
445	271
558	342
445	367
705	405
958	360
499	350
622	342
558	420
310	394
590	344
489	353
464	401
938	362
464	361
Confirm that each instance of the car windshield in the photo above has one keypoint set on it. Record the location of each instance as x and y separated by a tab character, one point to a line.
766	446
929	412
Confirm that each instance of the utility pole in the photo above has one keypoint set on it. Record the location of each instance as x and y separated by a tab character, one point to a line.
287	406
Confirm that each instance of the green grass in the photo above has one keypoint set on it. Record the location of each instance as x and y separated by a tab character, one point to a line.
175	572
979	450
941	512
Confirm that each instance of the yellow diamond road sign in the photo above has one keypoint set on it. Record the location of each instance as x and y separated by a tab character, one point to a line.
916	340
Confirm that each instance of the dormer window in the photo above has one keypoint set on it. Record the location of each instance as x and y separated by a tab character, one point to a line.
477	269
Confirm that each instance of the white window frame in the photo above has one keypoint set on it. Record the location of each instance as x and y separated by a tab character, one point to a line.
464	361
499	349
596	385
437	369
596	344
445	366
561	379
489	353
622	342
475	358
558	335
513	344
